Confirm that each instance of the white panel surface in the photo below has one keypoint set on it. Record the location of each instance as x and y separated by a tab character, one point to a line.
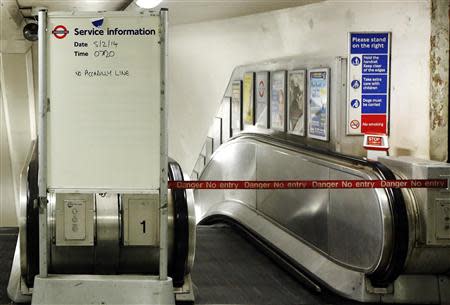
104	111
140	220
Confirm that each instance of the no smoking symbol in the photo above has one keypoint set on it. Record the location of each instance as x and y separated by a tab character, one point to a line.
354	124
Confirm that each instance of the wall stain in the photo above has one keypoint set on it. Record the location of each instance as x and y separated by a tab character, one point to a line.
439	86
265	28
350	17
311	24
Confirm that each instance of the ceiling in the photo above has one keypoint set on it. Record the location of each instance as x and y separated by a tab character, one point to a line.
180	11
190	11
76	5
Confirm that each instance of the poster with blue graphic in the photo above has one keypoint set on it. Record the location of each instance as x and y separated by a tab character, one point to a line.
318	104
278	101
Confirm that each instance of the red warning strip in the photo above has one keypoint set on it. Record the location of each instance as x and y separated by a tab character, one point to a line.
309	184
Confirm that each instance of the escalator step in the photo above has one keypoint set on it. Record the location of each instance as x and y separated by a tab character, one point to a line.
230	270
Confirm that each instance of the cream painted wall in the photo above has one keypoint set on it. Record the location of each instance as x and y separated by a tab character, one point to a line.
203	55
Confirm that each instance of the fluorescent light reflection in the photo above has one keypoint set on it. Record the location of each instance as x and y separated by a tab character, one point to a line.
148	3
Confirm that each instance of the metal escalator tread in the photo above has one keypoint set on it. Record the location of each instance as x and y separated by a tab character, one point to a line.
230	270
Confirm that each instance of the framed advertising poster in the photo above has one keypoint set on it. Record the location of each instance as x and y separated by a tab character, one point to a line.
209	147
236	107
225	113
248	99
262	99
278	101
217	133
318	104
296	102
200	164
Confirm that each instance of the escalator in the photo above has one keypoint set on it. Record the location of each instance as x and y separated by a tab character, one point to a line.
362	244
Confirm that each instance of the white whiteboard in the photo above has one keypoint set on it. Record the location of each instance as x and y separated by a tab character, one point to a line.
104	117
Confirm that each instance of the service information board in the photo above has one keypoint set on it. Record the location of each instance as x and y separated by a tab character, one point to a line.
368	83
104	89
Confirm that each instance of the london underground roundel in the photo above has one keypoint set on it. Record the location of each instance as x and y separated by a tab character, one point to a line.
60	31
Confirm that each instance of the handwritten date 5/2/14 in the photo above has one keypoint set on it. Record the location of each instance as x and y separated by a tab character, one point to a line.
106	44
102	73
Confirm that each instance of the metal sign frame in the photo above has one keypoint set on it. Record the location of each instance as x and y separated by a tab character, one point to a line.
42	137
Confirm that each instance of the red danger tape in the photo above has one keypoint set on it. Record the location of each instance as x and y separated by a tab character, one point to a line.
309	184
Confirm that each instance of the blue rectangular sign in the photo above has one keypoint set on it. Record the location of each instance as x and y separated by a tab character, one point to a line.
374	64
374	104
369	43
374	84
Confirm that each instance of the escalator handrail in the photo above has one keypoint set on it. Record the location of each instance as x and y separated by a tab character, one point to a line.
181	227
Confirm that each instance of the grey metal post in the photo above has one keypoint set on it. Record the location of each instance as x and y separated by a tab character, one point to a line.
42	141
163	150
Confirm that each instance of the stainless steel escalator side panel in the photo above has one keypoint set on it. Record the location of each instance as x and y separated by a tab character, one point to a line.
337	278
236	162
349	227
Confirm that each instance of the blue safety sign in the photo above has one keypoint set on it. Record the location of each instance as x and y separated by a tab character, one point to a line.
375	64
374	104
355	84
355	103
356	61
372	83
369	77
369	43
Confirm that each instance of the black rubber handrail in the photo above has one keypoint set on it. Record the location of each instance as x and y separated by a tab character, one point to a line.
32	221
181	227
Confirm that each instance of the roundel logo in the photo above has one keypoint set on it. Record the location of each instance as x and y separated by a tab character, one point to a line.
60	31
262	88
